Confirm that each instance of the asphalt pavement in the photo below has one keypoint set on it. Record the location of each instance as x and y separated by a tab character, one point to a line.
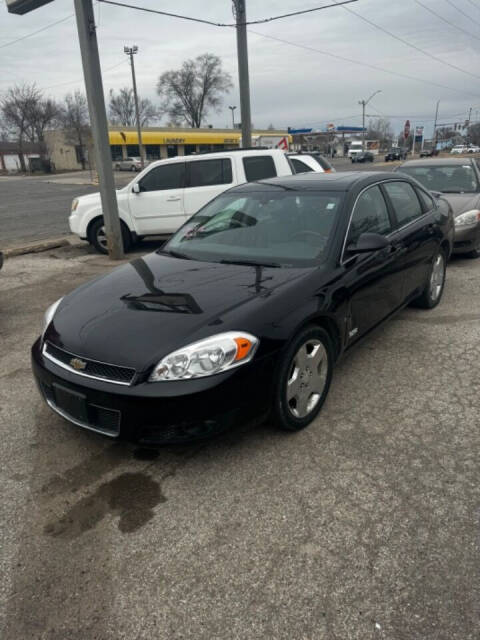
364	526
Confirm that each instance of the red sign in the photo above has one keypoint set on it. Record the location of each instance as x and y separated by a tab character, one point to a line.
406	129
283	144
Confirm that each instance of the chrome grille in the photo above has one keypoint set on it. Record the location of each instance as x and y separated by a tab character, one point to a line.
92	368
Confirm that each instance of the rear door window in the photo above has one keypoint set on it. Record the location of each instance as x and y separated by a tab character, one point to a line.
299	166
259	168
427	201
405	202
203	173
170	176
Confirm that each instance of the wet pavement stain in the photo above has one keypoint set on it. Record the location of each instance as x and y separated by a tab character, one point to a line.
131	496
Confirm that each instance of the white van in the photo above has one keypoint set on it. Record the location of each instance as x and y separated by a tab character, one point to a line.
165	194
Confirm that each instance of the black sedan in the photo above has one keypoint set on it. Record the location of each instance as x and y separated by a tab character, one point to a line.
364	156
458	179
395	153
244	312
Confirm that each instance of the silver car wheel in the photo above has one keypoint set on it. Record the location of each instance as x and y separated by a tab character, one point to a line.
437	278
102	237
307	378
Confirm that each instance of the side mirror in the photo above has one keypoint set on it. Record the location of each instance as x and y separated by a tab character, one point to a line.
136	188
368	242
436	194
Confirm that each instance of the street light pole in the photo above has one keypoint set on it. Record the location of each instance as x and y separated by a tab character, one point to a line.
131	51
364	104
435	126
232	109
96	106
243	79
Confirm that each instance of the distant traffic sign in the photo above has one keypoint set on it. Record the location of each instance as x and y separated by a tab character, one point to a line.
24	6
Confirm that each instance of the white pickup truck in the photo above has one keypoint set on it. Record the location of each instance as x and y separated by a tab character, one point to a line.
165	194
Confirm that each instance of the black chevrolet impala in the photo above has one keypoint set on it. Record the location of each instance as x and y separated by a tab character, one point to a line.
245	311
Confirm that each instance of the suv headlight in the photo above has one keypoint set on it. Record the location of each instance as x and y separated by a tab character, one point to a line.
206	357
74	205
469	217
49	313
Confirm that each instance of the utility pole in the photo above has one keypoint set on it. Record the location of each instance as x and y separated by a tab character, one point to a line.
131	51
243	78
96	105
232	109
364	104
435	126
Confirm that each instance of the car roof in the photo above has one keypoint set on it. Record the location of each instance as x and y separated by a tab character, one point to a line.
343	181
435	161
211	155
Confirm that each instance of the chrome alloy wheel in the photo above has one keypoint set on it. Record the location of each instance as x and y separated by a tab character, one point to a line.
437	278
307	378
102	237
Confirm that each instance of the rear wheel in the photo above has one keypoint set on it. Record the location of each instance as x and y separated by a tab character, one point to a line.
475	253
117	167
303	379
132	168
433	292
98	238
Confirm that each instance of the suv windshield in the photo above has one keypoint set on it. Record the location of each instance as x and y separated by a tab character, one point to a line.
458	178
271	227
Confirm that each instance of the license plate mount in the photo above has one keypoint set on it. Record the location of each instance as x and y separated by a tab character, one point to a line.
72	403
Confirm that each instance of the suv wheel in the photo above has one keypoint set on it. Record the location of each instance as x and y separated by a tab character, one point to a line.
98	238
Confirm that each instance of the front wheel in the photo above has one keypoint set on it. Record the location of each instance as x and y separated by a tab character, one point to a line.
303	379
98	238
432	294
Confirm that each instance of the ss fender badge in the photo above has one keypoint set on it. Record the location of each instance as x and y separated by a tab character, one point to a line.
77	364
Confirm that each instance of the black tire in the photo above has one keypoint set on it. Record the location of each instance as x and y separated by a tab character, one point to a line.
133	168
283	407
118	167
95	235
430	299
473	254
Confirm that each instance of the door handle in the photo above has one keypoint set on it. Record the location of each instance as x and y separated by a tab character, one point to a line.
173	199
431	229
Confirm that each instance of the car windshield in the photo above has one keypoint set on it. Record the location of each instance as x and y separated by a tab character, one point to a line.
459	178
273	227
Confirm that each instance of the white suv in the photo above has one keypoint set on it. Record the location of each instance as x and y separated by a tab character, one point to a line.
459	148
165	194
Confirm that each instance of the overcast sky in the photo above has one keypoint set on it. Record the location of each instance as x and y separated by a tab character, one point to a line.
290	86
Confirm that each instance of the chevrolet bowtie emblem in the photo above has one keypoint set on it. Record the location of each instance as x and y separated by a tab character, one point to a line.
77	364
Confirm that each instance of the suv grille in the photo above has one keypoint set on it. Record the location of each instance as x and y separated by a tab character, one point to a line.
102	370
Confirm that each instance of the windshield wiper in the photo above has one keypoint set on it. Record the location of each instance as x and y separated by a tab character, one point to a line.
251	263
457	191
174	254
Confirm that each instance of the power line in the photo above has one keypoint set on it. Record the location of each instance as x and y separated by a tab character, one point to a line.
225	24
362	64
409	44
462	12
34	33
472	35
473	4
62	84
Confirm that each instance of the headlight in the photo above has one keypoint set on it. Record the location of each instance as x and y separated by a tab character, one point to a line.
74	205
207	357
469	217
49	313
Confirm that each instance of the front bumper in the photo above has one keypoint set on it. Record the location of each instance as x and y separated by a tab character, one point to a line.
467	238
160	412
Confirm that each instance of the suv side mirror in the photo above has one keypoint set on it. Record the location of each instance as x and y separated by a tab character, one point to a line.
368	242
136	188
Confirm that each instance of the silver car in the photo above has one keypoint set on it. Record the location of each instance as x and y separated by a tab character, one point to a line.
133	163
458	180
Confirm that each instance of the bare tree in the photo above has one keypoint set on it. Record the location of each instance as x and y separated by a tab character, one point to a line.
381	129
122	109
26	114
190	92
16	107
474	133
75	120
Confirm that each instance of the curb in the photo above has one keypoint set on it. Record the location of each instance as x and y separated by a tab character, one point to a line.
36	247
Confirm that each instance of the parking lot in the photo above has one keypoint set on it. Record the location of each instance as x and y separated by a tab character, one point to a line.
365	525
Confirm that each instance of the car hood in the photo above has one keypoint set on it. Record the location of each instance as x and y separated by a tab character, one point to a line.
461	202
142	311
